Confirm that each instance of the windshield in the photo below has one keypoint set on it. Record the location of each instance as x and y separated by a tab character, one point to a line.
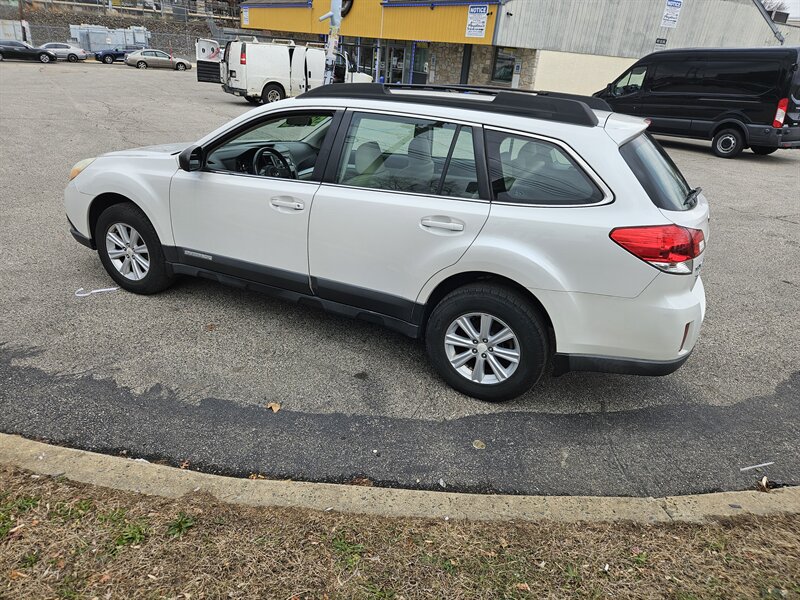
655	170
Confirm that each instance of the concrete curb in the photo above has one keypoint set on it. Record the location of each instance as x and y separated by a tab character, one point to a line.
158	480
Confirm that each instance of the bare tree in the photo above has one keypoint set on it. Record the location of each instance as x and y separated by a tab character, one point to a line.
771	5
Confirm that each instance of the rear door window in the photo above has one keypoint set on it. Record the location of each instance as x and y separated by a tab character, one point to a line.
655	170
728	77
409	154
527	170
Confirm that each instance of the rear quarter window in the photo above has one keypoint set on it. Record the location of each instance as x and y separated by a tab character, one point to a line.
659	176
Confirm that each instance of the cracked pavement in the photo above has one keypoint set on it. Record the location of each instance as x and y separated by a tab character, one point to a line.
186	375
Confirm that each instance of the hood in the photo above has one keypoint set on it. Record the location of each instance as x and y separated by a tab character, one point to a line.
152	151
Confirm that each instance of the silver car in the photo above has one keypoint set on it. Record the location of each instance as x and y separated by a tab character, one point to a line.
157	59
66	51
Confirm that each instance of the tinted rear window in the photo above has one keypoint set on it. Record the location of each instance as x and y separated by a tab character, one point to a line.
655	170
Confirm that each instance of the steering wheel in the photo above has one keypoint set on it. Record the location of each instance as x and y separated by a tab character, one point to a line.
280	167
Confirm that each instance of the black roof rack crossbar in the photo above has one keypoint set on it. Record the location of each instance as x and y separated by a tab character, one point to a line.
550	106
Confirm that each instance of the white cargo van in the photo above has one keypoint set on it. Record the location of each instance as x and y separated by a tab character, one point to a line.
268	72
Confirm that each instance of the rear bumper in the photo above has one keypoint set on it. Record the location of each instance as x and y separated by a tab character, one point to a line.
651	334
786	137
233	90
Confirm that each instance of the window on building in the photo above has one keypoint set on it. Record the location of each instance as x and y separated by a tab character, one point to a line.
409	154
503	66
526	170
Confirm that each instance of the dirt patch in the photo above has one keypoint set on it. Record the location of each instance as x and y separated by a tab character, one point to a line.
68	540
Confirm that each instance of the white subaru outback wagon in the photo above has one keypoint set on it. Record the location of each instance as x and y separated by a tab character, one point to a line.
514	232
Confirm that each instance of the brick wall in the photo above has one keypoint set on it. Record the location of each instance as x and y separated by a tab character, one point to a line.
448	65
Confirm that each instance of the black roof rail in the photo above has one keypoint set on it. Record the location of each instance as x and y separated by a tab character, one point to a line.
550	106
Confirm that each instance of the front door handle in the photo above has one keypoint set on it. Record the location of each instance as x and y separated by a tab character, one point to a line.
286	203
442	223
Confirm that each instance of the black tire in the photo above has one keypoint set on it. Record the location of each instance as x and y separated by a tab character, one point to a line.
1	56
514	310
252	100
72	58
762	150
44	58
108	59
180	67
272	93
728	143
141	65
158	277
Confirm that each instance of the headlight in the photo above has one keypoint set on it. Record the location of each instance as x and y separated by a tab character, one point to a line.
80	166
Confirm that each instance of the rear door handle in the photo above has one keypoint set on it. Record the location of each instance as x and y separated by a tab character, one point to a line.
284	203
439	223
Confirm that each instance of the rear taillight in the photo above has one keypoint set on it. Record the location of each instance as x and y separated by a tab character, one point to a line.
670	248
780	113
243	55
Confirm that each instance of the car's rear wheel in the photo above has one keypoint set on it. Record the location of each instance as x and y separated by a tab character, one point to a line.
141	65
44	58
728	143
762	150
72	58
130	250
487	341
272	93
1	56
180	67
108	59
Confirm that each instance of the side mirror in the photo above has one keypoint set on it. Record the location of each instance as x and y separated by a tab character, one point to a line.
192	159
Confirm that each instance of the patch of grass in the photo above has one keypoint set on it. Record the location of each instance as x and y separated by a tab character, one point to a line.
572	573
180	525
29	559
132	534
11	508
348	552
113	517
69	588
286	553
69	511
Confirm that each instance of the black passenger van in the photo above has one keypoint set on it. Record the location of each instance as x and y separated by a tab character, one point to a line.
737	97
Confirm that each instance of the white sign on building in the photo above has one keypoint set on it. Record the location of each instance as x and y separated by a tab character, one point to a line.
672	9
476	20
245	16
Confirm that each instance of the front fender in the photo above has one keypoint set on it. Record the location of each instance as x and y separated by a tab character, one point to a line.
144	181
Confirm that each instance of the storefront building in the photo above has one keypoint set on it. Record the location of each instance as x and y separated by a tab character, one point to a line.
405	41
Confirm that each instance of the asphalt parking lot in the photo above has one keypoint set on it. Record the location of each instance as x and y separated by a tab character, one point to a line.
186	375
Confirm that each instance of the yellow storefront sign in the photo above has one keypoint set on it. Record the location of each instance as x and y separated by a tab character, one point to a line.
438	21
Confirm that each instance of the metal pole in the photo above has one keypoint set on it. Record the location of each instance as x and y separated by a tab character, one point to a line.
335	15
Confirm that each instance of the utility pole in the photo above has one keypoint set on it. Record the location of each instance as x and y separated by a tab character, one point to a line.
335	15
21	18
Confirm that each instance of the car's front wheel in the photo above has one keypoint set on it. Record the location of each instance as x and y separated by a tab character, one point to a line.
141	65
487	341
130	250
44	58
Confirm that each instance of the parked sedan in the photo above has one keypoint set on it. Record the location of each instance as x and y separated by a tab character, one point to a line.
66	51
156	59
12	49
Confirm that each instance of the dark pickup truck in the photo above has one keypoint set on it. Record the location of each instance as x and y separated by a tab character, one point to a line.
115	54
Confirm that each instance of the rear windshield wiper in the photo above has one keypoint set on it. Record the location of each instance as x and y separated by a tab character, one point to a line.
691	197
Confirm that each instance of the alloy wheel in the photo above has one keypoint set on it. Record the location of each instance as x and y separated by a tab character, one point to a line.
482	348
127	251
